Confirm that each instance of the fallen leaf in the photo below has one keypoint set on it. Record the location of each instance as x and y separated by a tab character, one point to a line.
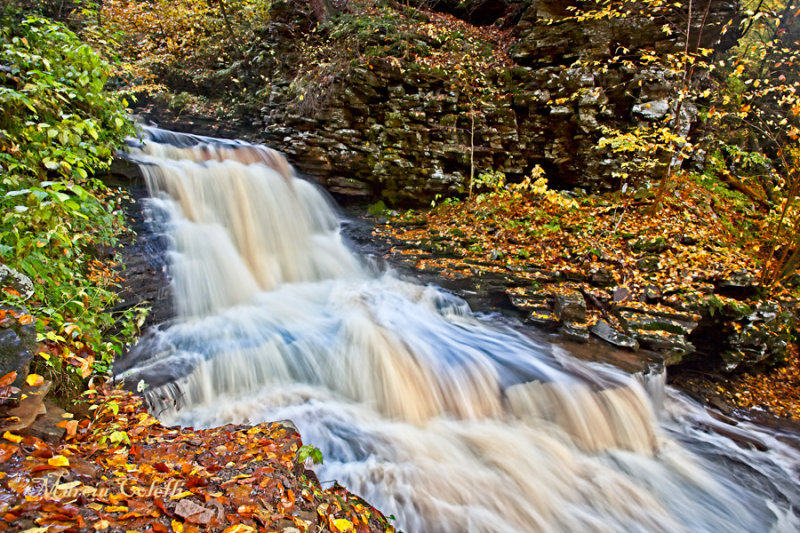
34	380
343	525
16	439
70	425
58	460
6	452
239	528
8	379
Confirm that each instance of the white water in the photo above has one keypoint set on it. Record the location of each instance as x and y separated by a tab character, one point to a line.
446	420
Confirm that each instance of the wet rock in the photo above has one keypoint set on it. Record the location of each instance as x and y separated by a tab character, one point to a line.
652	293
542	317
738	284
650	322
601	277
16	352
672	347
17	281
45	426
528	300
569	306
760	337
604	331
573	275
666	335
31	405
654	110
125	169
649	264
544	275
349	187
655	245
574	332
621	294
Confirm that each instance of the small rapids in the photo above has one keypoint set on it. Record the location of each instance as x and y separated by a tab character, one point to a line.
450	421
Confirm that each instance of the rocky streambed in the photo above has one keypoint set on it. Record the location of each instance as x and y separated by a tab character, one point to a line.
705	337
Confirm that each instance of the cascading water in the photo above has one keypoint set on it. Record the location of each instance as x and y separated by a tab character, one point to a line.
446	420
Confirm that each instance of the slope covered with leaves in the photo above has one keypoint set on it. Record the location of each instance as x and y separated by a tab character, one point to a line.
119	469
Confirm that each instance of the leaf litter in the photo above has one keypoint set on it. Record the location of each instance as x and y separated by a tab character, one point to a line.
119	469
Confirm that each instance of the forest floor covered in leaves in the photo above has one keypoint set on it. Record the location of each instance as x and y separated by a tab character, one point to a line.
118	469
619	255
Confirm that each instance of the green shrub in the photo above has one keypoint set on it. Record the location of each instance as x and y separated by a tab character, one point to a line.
58	127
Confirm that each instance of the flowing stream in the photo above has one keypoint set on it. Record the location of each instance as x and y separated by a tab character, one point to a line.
450	421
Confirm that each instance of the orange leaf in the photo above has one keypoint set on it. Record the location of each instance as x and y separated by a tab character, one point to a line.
71	426
8	379
7	451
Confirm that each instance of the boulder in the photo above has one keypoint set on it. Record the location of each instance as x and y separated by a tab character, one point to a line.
17	281
654	245
761	337
604	331
576	332
17	345
569	305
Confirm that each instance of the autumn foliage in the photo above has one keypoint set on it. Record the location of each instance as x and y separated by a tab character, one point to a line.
120	469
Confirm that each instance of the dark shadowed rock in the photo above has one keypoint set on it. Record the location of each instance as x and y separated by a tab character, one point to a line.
17	345
574	332
604	331
569	306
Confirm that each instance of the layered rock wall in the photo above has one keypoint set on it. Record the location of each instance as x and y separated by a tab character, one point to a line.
402	133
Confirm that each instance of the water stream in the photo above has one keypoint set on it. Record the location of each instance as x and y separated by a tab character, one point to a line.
450	421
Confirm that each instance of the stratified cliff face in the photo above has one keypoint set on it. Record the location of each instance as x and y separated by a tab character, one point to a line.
386	125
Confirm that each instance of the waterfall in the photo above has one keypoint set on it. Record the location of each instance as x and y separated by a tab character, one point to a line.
449	421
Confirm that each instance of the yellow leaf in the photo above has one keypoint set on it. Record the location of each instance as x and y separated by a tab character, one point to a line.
16	439
58	460
44	355
239	528
181	495
177	526
116	509
101	525
34	380
345	526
